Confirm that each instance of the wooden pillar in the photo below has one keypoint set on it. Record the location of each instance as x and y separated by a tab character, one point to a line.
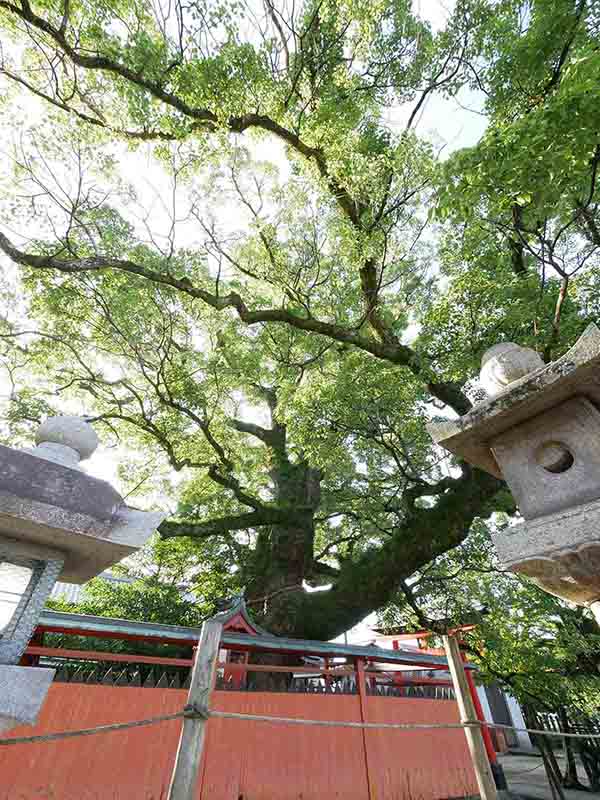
485	731
495	765
361	683
193	731
481	764
328	678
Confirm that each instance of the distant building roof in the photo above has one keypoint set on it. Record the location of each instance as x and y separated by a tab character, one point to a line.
75	592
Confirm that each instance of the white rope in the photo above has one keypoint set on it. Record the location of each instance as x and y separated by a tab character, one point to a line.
395	725
562	734
406	726
339	724
118	726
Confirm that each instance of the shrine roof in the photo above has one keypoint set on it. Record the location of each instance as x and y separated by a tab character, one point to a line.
333	650
110	628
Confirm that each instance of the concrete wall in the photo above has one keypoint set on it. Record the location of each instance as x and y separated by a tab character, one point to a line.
519	721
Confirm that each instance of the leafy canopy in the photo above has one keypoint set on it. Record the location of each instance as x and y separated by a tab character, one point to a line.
268	329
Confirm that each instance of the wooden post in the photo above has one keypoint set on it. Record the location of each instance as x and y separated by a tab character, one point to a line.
193	732
481	764
361	685
485	731
495	766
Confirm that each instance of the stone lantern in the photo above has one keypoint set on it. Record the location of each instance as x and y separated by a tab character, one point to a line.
539	429
56	523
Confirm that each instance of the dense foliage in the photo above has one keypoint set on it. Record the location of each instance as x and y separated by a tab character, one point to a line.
269	329
544	651
153	586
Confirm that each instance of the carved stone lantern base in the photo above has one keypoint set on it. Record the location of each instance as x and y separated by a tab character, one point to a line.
561	552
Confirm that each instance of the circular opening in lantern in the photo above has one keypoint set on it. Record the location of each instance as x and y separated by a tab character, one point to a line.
554	457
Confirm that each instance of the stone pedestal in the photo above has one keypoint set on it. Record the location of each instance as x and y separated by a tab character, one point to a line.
561	552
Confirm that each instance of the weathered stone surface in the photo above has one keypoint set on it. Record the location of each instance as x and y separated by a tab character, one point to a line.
506	363
72	432
576	373
22	693
560	551
542	434
65	440
552	462
27	476
89	546
45	565
27	551
54	521
54	505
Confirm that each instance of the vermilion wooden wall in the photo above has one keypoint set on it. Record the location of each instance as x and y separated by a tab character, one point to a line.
244	760
130	765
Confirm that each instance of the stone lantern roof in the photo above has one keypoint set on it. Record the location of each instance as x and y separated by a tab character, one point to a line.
55	521
47	500
540	431
577	373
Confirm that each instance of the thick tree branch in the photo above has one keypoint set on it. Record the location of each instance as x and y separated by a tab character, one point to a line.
105	63
274	15
440	627
171	529
341	540
264	434
371	581
564	53
397	353
231	483
438	80
389	348
143	135
202	117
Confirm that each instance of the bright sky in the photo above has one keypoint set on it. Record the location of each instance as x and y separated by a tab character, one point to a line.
449	123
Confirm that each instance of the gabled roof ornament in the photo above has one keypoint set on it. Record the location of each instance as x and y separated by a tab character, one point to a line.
233	615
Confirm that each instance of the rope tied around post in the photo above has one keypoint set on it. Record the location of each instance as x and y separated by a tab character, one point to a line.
118	726
196	711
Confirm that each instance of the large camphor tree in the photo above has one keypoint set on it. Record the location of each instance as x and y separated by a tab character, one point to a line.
269	330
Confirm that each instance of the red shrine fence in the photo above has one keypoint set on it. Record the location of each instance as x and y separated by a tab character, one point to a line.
243	760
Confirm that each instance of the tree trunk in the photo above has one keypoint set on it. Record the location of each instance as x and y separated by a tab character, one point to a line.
275	590
283	560
271	681
284	552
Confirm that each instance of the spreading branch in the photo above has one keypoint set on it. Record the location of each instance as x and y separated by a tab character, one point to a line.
397	353
215	527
